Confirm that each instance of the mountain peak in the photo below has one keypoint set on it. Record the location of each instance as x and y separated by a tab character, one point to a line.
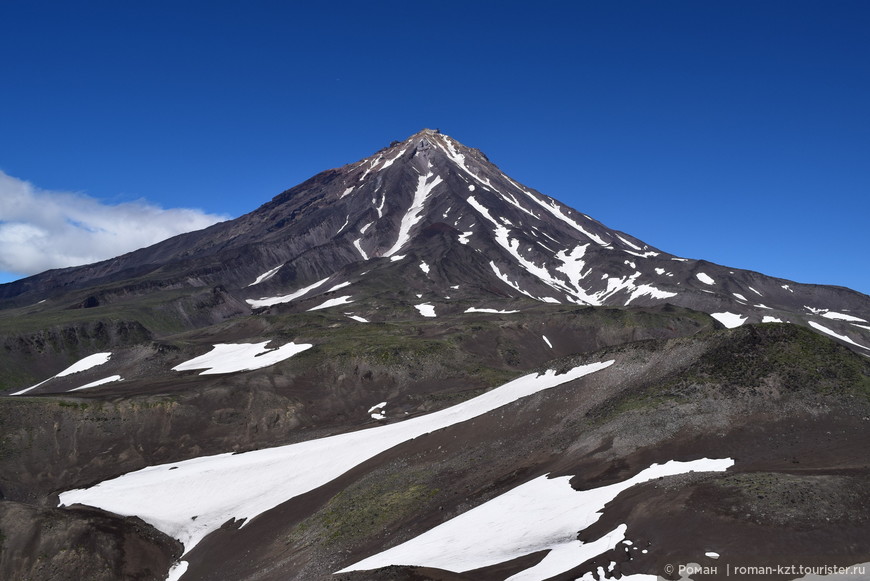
347	225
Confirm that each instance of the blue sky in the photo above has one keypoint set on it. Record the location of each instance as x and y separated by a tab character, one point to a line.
734	131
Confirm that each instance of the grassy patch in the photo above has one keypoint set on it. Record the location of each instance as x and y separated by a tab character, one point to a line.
755	360
794	358
365	508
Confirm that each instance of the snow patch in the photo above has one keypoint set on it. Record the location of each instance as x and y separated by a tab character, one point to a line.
476	310
377	411
706	279
397	257
332	303
463	238
547	341
770	319
426	310
357	318
177	570
233	357
424	267
730	320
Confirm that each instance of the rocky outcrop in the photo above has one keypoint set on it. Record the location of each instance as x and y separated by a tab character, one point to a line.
49	544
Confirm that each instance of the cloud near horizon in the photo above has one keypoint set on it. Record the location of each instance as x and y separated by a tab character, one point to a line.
43	229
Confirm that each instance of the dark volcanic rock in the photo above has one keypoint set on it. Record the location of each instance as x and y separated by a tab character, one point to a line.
48	544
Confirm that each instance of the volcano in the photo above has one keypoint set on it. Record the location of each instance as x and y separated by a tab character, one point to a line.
415	367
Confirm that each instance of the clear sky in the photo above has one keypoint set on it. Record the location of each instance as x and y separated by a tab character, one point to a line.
733	131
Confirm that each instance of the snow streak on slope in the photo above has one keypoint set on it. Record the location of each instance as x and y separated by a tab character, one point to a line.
843	317
572	268
513	247
415	212
266	275
332	303
538	515
269	301
77	367
190	499
827	331
98	382
357	244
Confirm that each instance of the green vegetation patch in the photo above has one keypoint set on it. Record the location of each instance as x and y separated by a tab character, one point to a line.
366	507
754	360
793	357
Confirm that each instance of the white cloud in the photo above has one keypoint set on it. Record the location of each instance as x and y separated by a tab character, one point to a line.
42	229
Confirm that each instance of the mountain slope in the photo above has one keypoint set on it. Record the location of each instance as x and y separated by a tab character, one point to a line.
429	205
403	344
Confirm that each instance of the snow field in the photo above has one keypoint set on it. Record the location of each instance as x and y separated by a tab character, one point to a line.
544	513
188	500
232	357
